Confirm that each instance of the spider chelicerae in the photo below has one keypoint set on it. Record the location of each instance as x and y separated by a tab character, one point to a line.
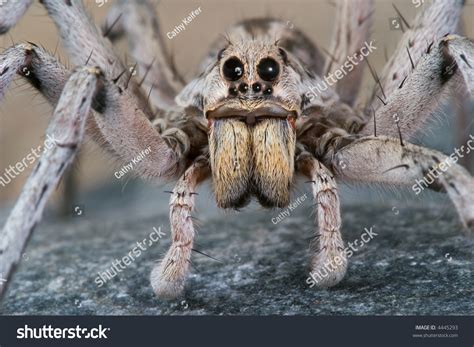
250	121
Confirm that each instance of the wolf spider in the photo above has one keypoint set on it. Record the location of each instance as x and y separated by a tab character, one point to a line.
248	121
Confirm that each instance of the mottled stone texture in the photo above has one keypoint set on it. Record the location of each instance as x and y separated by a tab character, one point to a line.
405	270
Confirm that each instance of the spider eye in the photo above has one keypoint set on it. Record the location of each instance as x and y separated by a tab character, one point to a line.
233	69
268	69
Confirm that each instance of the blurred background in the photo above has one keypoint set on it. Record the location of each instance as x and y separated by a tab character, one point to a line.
24	114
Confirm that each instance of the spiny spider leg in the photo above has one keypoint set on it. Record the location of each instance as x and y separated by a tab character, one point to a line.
42	71
129	132
67	130
327	247
383	160
436	74
138	21
122	117
11	12
434	21
352	29
168	278
461	49
86	46
118	122
83	40
122	122
79	34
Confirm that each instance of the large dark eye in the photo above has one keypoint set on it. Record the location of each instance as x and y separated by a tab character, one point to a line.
233	69
268	69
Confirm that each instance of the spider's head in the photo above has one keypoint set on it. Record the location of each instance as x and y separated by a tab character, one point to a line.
254	82
251	98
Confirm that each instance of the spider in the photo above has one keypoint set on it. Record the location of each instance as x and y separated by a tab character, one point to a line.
250	121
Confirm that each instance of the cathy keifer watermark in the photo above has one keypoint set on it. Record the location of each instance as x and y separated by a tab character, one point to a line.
287	211
121	264
333	264
341	72
432	175
129	167
184	23
14	171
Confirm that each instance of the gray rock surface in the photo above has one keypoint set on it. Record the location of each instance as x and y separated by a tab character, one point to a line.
419	263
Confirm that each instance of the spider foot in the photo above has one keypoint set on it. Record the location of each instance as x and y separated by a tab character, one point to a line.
328	266
168	278
460	187
467	219
165	287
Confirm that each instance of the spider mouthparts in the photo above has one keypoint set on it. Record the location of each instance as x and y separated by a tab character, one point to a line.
251	117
